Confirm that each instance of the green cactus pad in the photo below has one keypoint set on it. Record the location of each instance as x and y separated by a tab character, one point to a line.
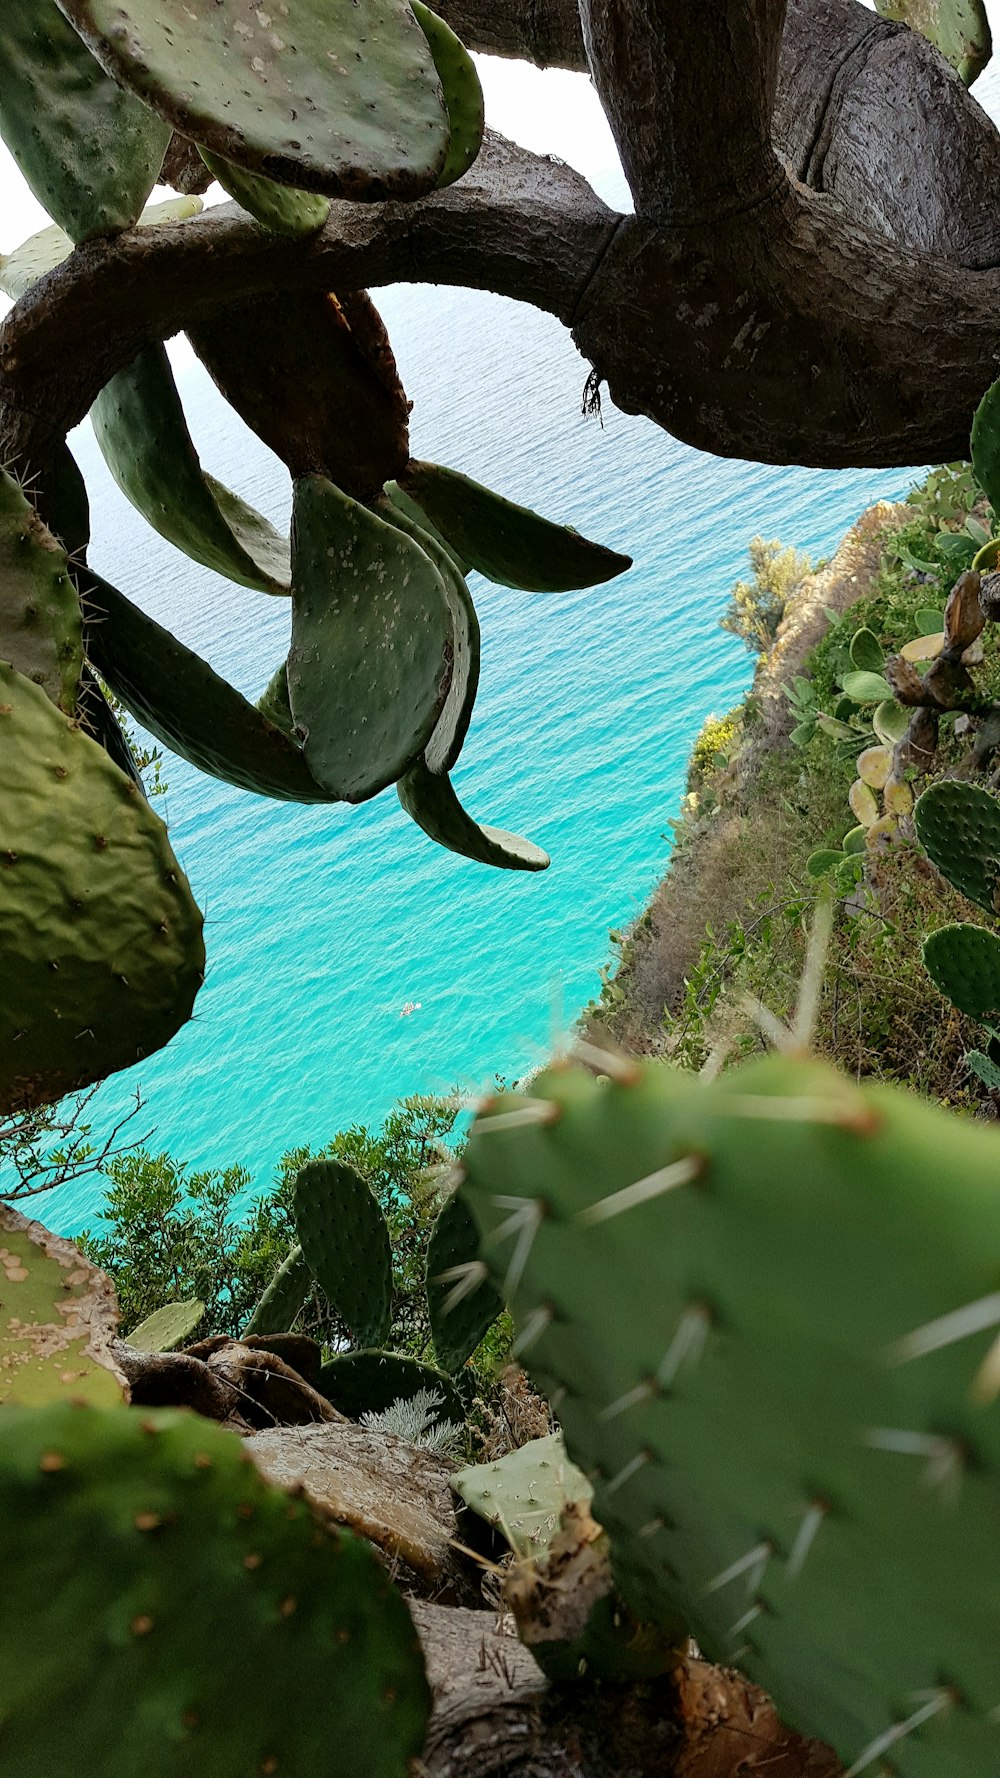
41	253
90	153
140	426
370	662
769	1306
334	96
826	859
964	963
283	1297
867	688
400	499
58	1319
357	1383
890	722
431	802
278	207
525	1493
960	29
315	378
462	1306
507	543
984	1068
101	950
167	1328
958	826
180	699
446	743
165	1612
463	94
986	445
41	631
867	653
345	1240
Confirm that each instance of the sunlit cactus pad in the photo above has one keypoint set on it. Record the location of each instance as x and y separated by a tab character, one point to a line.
767	1311
101	948
336	96
58	1320
165	1613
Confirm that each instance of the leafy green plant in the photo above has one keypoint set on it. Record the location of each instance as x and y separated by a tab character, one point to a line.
756	607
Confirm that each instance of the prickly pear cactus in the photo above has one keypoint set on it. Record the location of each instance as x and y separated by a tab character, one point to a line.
958	826
58	1319
525	1493
766	1310
41	253
139	424
370	661
167	1328
430	800
357	1383
181	700
461	1301
277	207
960	29
100	941
505	542
90	152
463	95
239	80
964	962
41	631
165	1613
283	1297
345	1241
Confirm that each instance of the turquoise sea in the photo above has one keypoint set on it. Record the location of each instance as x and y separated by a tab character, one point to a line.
325	925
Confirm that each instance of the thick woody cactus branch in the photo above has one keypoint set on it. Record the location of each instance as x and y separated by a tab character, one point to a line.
655	63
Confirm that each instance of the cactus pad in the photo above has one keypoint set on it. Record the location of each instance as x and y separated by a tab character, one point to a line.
370	662
101	949
345	1240
463	95
960	29
180	699
40	620
278	207
463	1304
964	962
165	1612
58	1319
958	826
769	1305
283	1297
525	1494
315	378
167	1328
867	653
140	426
431	802
357	1383
334	96
41	253
507	543
90	153
446	743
